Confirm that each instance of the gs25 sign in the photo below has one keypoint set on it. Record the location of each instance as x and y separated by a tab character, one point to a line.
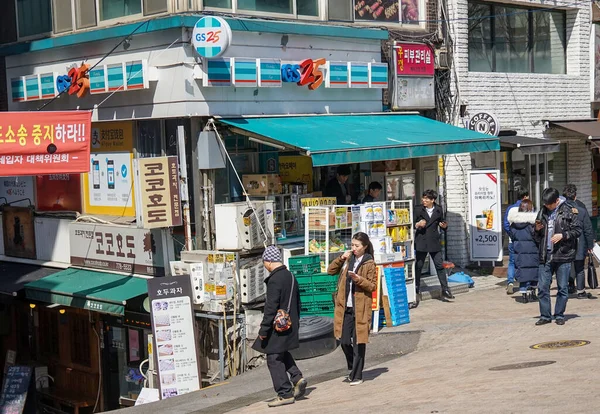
308	72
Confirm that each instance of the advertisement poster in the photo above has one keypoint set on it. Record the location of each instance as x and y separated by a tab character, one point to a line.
19	232
485	217
296	169
174	335
37	143
17	191
159	189
124	249
109	185
112	136
59	192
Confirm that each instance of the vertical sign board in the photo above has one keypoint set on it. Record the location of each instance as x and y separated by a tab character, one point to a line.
14	391
159	189
414	68
174	335
485	217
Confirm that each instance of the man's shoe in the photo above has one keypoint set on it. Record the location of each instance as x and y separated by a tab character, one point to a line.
356	382
572	290
534	297
446	293
542	322
300	388
525	298
560	321
416	302
510	289
279	401
584	295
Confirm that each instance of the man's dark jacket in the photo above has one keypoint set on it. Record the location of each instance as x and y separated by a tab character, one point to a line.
334	189
568	224
586	240
427	239
279	286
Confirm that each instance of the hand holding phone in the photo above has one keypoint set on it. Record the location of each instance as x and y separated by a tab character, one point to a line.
538	225
353	276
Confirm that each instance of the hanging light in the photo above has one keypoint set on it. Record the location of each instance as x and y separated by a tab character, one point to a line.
32	305
62	311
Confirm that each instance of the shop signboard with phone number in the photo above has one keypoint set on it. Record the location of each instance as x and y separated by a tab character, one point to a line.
485	215
117	248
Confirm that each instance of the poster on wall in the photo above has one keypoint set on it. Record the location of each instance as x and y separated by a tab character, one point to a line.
35	143
296	169
159	192
112	136
19	232
485	217
58	192
393	11
109	186
117	248
17	191
174	335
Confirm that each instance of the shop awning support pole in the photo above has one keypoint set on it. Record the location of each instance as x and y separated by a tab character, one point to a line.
185	198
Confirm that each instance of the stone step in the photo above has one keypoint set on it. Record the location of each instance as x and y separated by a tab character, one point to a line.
430	288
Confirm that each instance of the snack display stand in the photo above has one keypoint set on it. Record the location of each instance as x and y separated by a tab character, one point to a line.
389	225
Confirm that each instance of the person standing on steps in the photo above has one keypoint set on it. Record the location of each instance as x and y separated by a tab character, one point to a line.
557	228
282	293
510	277
585	243
429	221
353	303
527	260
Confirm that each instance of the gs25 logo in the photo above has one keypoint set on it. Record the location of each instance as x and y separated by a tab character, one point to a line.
306	73
208	37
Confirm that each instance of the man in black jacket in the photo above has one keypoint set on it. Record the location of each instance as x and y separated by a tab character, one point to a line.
585	243
337	187
429	219
557	229
282	293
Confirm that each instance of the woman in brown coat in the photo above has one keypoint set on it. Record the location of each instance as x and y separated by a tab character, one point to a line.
353	303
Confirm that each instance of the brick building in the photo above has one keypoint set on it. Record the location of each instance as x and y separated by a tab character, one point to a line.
529	65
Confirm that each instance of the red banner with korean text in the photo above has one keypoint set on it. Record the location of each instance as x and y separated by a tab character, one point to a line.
38	143
413	59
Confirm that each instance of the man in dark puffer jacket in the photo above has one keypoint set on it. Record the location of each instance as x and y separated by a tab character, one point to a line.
557	229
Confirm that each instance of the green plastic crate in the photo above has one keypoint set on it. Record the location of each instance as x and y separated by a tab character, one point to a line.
302	260
324	277
305	269
319	297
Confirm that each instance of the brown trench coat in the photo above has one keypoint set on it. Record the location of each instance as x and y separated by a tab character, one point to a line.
362	298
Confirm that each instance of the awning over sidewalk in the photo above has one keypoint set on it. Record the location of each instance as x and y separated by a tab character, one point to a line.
14	276
344	139
587	127
85	289
529	145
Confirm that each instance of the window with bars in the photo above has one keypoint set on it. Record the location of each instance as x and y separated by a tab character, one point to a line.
516	39
48	332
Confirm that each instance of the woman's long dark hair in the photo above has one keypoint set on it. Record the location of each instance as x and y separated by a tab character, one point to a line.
364	239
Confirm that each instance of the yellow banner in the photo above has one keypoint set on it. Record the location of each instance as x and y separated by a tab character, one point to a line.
296	169
112	136
318	201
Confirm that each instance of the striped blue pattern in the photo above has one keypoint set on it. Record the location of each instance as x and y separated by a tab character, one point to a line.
97	81
270	73
218	72
379	75
359	75
115	76
48	85
338	75
208	22
245	73
32	87
135	74
17	89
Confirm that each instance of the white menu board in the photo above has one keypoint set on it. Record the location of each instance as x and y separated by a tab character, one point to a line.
485	215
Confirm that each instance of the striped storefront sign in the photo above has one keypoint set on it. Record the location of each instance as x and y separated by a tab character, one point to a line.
270	73
135	74
245	72
17	89
379	75
115	76
218	72
98	80
48	81
32	87
338	75
359	75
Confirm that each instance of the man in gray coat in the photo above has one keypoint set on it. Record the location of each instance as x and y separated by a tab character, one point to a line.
585	243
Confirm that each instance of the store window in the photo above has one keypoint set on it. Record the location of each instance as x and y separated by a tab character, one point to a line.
309	8
516	39
113	9
149	138
34	17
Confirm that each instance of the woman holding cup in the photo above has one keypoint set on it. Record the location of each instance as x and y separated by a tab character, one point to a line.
353	303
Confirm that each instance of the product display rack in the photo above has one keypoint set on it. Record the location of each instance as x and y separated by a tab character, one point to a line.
286	214
328	232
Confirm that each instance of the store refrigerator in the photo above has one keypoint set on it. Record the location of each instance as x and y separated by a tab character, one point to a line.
400	185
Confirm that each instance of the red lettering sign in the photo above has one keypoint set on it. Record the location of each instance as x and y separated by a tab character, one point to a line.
40	143
414	60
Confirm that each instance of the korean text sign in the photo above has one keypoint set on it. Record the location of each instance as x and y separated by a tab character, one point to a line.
38	143
414	59
485	221
124	249
174	335
159	187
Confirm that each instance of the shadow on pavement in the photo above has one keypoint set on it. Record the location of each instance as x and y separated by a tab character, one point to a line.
371	374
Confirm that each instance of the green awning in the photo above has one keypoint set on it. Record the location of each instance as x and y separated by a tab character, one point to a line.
85	289
346	139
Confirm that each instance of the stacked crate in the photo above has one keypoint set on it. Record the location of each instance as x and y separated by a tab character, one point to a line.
395	281
316	289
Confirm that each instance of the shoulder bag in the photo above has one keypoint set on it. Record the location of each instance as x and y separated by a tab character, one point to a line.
283	321
591	276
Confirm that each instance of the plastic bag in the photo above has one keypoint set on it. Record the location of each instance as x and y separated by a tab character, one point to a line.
461	277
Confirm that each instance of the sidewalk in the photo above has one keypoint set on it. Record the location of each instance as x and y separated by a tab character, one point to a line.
460	342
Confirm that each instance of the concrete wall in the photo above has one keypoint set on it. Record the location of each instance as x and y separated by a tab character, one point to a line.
521	101
177	94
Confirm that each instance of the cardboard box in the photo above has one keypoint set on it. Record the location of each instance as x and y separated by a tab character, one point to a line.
262	184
